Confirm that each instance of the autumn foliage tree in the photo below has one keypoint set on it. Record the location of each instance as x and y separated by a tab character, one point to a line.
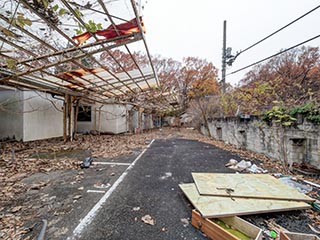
201	88
292	78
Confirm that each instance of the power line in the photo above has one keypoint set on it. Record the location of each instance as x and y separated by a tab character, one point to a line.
281	52
280	29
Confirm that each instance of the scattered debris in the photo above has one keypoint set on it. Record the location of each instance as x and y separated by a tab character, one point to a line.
232	162
136	209
217	195
147	219
300	187
166	176
86	162
255	169
244	165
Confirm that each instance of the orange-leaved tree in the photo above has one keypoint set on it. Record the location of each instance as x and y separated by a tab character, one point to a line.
201	88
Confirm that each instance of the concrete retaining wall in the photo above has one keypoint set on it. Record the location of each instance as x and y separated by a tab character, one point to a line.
301	143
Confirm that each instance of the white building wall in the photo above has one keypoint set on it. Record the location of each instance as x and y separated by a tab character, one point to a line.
11	115
113	119
135	119
148	121
41	119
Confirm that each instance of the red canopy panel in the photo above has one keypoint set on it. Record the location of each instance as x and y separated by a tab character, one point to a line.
112	31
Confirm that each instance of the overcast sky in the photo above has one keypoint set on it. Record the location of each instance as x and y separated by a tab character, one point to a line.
180	28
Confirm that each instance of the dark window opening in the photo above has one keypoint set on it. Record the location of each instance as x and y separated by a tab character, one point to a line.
219	133
297	141
84	114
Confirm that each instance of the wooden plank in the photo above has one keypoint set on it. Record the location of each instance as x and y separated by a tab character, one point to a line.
297	236
215	206
261	186
214	231
244	227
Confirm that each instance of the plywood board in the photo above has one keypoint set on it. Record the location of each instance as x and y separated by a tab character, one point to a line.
215	206
214	231
246	185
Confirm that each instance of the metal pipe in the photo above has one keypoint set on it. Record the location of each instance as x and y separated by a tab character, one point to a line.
43	230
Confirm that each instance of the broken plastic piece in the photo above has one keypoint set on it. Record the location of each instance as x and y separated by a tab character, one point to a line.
300	187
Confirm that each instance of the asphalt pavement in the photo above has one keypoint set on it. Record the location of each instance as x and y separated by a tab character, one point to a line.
151	188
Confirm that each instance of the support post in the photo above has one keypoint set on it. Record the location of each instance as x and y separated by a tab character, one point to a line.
69	115
95	120
75	119
224	57
65	119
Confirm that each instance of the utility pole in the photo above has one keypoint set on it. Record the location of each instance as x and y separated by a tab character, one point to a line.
224	56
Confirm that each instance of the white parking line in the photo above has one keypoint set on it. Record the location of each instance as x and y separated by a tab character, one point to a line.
111	163
95	191
93	212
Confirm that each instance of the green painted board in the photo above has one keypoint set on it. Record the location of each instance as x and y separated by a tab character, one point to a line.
213	206
246	185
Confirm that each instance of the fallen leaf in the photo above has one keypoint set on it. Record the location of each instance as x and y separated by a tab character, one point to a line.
147	219
16	209
77	197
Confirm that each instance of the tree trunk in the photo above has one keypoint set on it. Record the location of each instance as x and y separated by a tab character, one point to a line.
204	117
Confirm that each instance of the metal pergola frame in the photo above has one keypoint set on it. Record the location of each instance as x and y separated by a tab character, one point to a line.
139	87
